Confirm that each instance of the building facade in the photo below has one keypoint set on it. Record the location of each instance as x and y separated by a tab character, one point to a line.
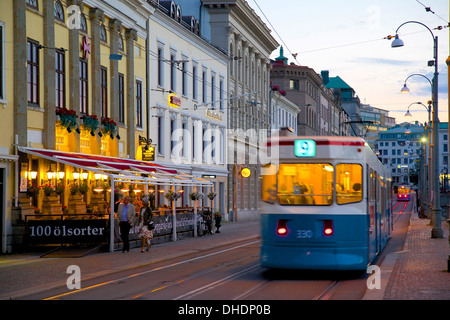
76	83
188	86
235	27
284	113
374	120
303	87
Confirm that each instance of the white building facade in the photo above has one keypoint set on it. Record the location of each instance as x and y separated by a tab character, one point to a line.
187	87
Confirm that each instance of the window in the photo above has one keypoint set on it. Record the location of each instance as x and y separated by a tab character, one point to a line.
120	42
59	11
121	99
160	67
2	62
348	183
172	73
83	24
139	103
172	136
33	71
213	91
184	133
60	78
194	82
84	86
221	94
184	79
204	86
160	135
33	4
103	34
299	184
104	89
293	84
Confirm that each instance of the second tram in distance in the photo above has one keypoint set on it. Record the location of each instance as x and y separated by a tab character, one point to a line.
403	193
326	205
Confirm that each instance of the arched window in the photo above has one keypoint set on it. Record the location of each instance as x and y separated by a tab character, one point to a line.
33	4
83	24
120	42
59	11
103	33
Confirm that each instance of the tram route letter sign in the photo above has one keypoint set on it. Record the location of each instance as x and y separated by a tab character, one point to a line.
304	148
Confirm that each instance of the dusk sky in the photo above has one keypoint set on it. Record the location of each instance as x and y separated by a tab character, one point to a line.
346	38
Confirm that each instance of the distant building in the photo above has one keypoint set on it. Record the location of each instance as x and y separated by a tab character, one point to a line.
320	111
374	121
348	99
399	148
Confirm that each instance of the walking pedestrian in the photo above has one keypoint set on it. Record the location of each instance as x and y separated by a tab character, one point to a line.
125	215
145	219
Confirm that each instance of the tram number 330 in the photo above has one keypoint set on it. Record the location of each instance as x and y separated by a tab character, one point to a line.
304	234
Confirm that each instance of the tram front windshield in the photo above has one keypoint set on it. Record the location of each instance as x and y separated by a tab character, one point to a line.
312	183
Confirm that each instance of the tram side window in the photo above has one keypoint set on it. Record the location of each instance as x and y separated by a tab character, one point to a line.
305	184
348	183
269	183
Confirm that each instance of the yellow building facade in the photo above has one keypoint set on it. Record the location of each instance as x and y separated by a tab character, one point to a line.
72	79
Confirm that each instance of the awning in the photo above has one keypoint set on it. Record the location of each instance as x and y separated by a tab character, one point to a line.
122	170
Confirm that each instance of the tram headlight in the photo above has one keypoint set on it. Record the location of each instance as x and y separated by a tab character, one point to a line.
282	228
328	228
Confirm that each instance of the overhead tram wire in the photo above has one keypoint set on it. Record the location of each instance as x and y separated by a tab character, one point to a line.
273	28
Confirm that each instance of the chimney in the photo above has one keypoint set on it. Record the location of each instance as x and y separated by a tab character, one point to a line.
325	76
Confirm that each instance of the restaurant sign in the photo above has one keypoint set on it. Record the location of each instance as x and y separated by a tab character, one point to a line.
174	101
149	154
66	231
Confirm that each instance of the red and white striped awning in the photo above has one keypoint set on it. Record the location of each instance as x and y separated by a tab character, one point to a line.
118	168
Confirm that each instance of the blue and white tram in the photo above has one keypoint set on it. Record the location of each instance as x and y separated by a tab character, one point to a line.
325	205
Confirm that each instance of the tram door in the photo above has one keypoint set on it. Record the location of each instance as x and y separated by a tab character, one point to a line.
372	210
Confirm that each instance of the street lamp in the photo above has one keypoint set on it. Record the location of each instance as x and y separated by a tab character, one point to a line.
427	183
437	231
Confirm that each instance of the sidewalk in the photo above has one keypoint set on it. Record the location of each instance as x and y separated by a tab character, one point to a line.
419	271
24	274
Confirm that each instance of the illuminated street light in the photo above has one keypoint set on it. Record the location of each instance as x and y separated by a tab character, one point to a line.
437	231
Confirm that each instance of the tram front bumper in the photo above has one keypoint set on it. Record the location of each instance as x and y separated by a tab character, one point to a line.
313	258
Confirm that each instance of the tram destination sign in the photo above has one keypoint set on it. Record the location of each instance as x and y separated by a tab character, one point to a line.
304	148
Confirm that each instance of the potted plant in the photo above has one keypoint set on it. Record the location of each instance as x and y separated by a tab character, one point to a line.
218	220
83	188
59	189
74	189
109	126
211	195
67	117
172	196
32	189
196	195
90	123
48	190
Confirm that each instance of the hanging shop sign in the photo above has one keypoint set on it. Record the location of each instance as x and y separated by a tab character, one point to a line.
213	115
174	101
148	154
86	47
246	172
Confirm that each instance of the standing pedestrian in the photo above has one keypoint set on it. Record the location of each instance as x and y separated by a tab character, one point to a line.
125	215
145	218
